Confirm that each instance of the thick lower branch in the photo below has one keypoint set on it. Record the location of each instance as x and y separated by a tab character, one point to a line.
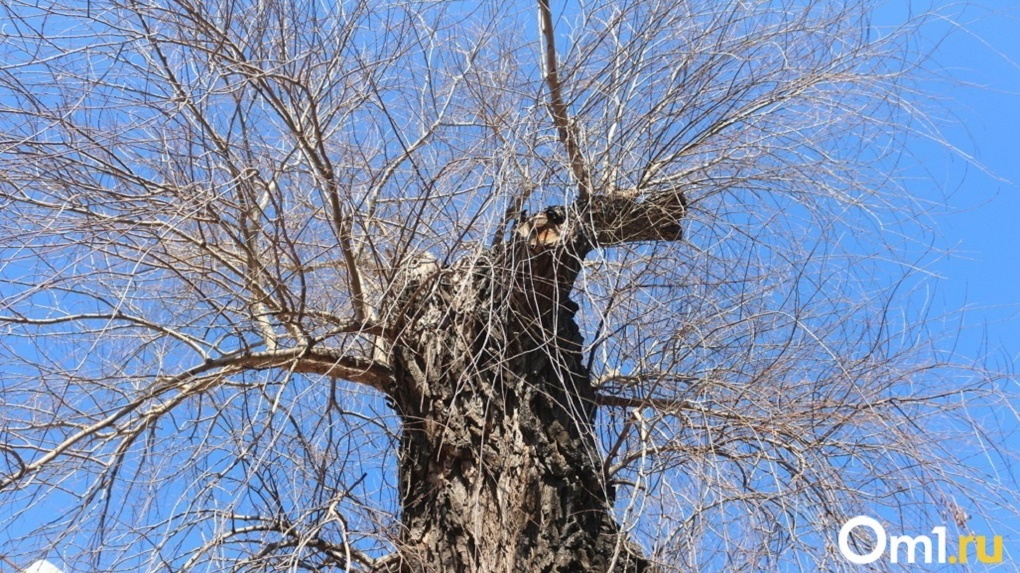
330	362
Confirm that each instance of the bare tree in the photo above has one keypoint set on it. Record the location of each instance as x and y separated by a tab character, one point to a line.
443	286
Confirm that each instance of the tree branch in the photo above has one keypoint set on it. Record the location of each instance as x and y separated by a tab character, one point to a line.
625	218
566	130
326	361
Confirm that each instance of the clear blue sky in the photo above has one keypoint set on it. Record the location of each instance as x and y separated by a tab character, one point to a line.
980	61
982	271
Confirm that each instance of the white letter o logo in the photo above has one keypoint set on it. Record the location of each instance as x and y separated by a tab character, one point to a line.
844	540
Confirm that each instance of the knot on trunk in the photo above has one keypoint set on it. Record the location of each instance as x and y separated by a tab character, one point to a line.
544	229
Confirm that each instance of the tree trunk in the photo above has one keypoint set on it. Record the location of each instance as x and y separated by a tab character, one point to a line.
499	470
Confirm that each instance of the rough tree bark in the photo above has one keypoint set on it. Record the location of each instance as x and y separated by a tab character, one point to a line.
499	467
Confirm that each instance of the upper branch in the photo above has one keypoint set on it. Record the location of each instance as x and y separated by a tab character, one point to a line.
565	129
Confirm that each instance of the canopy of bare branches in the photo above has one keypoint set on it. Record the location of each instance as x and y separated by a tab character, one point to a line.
248	248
